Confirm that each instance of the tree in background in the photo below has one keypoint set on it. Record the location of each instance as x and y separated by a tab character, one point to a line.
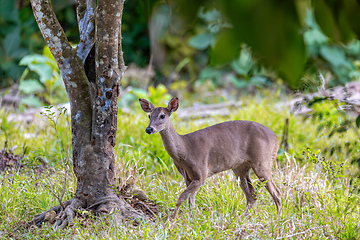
91	73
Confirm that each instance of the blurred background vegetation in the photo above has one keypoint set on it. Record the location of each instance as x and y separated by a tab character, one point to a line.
209	50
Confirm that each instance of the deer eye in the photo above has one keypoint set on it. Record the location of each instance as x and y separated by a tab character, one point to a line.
162	116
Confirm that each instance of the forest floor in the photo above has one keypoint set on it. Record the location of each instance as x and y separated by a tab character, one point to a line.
317	173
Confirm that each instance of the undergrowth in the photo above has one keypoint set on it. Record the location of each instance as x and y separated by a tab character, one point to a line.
320	191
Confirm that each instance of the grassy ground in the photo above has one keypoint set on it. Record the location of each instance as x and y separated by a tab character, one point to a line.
319	186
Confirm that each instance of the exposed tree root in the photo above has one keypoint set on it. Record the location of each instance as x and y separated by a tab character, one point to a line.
126	207
46	216
63	216
66	217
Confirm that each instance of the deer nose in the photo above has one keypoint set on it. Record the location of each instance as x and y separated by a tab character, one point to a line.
149	130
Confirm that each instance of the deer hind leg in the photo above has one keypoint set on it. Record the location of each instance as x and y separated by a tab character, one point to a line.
275	193
264	174
190	191
243	174
192	196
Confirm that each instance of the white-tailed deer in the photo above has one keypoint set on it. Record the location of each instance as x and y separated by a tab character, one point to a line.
236	145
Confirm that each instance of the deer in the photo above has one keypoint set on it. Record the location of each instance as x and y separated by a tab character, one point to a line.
237	145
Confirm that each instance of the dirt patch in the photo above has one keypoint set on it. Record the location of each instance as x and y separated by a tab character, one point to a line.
9	162
139	201
148	207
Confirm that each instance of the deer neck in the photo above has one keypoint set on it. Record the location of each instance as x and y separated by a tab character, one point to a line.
173	142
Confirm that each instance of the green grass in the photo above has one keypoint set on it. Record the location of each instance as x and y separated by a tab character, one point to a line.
320	199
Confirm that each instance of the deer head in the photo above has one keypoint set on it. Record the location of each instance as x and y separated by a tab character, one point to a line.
159	117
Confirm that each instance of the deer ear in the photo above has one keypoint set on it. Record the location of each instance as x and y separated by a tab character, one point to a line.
173	104
146	105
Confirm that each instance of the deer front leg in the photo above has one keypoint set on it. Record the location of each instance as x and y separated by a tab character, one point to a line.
192	201
192	196
242	173
190	191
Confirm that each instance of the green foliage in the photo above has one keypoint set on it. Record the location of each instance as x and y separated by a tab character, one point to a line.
41	82
282	37
5	127
271	29
357	121
233	64
242	71
53	117
17	38
156	95
344	192
335	122
325	55
20	35
248	72
337	19
213	74
135	39
283	47
201	41
332	168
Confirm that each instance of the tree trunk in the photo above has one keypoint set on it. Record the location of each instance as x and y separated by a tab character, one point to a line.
91	72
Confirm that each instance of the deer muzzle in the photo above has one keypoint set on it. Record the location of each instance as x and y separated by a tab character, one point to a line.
149	130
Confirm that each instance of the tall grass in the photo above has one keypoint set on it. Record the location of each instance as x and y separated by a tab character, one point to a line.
320	198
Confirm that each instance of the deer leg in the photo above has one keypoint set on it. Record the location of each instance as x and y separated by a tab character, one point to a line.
264	174
187	181
192	203
275	193
243	174
249	191
192	196
190	191
192	200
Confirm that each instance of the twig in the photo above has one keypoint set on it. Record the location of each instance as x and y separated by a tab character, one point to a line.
143	204
64	188
58	197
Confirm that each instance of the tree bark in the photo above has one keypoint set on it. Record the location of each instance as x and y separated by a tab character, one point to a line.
91	73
